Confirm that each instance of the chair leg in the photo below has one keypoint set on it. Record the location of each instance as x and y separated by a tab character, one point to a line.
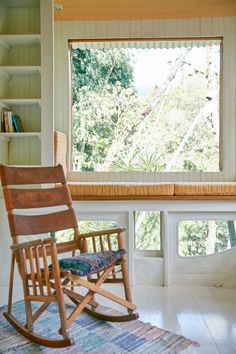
29	316
10	291
126	283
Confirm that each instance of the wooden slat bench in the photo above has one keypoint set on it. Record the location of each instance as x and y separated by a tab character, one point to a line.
153	191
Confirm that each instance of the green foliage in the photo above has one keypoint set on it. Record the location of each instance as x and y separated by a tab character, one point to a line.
89	226
95	225
115	129
147	230
100	120
193	235
95	68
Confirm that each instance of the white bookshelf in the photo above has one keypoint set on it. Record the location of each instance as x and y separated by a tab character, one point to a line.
26	57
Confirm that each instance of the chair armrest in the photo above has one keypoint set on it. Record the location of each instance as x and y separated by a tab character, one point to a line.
40	242
103	232
103	239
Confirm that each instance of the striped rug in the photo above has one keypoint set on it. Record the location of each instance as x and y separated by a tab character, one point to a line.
92	335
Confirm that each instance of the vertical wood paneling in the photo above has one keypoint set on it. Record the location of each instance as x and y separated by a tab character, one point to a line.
3	17
24	151
23	20
135	29
158	27
3	152
3	54
22	55
112	29
3	85
147	29
89	29
194	27
218	26
34	20
58	94
170	28
124	29
23	86
47	94
197	27
101	29
78	29
182	28
206	27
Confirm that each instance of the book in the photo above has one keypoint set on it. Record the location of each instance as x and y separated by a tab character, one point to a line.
15	125
10	123
2	127
5	115
18	126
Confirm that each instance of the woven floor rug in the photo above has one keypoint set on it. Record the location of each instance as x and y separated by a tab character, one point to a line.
91	335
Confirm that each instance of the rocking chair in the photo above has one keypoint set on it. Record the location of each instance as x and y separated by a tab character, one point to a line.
47	279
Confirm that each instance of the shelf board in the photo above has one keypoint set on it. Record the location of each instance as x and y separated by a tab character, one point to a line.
22	3
8	136
24	165
8	102
8	40
19	70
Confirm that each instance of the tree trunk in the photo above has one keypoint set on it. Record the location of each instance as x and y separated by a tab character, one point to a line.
211	239
205	112
232	234
118	143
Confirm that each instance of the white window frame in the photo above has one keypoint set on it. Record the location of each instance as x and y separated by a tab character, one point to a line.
149	176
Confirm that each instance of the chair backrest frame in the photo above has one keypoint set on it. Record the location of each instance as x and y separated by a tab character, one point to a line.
40	222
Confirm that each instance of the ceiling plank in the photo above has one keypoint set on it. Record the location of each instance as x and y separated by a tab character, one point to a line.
143	9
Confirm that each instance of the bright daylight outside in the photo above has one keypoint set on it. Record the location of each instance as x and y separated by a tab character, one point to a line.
146	106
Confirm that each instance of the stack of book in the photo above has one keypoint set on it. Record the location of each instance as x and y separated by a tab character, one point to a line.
11	123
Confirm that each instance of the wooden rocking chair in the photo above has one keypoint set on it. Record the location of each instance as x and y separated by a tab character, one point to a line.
45	278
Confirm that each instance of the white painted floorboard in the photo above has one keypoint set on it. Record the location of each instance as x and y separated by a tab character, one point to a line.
204	314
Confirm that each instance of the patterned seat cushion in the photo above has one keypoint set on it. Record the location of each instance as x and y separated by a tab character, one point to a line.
89	263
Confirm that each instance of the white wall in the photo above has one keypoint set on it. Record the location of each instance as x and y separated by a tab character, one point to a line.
205	27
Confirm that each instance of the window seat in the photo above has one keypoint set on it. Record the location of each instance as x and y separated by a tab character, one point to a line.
153	191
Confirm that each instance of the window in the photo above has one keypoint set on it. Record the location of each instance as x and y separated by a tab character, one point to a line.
147	230
146	105
205	237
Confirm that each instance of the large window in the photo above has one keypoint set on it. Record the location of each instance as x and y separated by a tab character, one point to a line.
146	105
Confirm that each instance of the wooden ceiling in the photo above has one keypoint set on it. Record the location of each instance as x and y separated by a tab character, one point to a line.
143	9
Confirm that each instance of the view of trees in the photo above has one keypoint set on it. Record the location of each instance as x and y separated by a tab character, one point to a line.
174	126
201	237
147	230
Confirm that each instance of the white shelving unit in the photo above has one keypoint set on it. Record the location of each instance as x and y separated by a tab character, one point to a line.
26	77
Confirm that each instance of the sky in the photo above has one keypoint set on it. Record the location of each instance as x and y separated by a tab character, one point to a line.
151	66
